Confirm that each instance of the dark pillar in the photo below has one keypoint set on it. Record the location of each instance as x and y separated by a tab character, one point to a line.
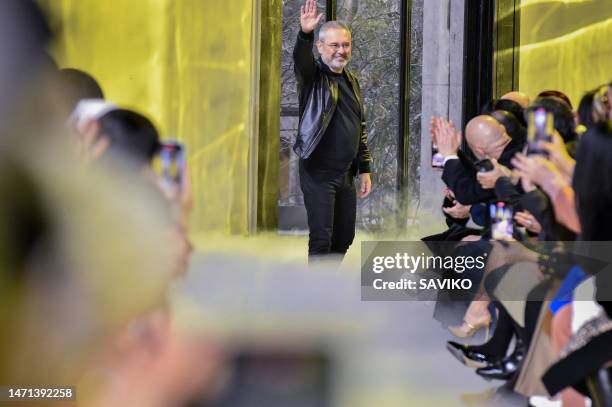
407	165
506	56
478	56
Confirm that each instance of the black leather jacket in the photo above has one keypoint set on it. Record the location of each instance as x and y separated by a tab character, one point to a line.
318	96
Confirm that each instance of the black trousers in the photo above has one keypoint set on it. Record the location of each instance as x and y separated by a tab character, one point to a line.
331	206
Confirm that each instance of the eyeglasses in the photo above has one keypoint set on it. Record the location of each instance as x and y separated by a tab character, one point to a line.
601	102
335	46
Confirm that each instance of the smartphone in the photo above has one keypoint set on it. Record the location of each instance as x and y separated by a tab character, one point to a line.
484	165
172	166
540	127
437	159
502	224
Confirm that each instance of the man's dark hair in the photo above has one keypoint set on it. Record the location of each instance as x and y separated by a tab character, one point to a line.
563	115
585	109
131	135
511	124
506	105
513	108
80	85
557	94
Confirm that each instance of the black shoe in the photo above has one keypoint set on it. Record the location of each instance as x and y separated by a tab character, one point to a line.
504	369
469	357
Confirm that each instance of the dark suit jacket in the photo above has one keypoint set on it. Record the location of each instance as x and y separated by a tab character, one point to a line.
460	176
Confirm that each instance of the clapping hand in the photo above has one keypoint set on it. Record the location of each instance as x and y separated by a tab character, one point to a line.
445	136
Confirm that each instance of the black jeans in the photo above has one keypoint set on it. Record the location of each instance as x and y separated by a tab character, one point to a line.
331	206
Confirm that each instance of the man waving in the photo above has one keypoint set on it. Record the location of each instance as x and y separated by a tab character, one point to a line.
332	138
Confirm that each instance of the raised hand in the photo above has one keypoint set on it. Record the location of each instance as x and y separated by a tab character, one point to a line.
445	136
559	155
308	16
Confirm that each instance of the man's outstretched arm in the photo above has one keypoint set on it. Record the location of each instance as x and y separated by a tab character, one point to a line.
303	57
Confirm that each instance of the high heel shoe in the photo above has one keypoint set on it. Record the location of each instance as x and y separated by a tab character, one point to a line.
468	329
506	368
470	357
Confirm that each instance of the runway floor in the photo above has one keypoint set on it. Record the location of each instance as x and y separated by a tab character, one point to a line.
258	293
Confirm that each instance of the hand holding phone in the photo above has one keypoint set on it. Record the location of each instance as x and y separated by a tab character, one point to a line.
502	227
437	159
540	128
484	165
172	162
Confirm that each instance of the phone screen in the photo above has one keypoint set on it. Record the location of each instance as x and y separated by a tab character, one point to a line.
172	166
484	165
540	127
437	159
502	227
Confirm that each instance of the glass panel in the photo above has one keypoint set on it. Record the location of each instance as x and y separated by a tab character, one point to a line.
376	37
375	25
565	46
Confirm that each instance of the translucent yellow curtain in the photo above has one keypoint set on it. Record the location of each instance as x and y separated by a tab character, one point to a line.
565	45
187	65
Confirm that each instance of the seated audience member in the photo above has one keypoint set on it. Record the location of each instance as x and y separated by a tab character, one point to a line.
585	363
564	121
132	137
487	352
513	126
602	104
128	140
487	138
457	215
513	102
79	85
85	256
518	97
586	113
556	94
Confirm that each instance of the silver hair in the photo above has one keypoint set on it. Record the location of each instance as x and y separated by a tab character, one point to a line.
332	25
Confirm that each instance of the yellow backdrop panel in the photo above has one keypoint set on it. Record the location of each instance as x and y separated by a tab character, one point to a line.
565	46
187	65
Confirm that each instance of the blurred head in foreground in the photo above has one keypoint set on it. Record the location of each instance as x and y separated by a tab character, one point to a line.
84	256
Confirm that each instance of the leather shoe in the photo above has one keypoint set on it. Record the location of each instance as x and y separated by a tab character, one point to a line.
470	357
504	369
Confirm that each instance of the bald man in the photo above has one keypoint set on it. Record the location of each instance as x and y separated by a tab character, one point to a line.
518	97
487	139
